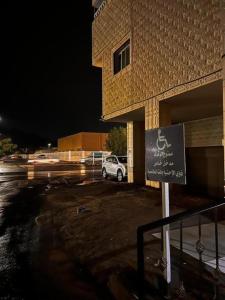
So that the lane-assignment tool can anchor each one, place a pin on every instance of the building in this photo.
(163, 63)
(83, 141)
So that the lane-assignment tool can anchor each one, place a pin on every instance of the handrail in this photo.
(102, 3)
(160, 223)
(178, 217)
(97, 3)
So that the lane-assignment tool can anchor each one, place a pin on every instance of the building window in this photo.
(121, 57)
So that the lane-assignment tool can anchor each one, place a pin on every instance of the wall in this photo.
(130, 152)
(204, 156)
(176, 46)
(74, 156)
(136, 152)
(205, 132)
(72, 142)
(88, 141)
(224, 105)
(173, 43)
(139, 152)
(110, 27)
(94, 141)
(205, 172)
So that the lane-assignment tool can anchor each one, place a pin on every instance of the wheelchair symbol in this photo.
(161, 142)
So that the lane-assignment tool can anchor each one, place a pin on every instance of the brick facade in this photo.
(176, 49)
(175, 46)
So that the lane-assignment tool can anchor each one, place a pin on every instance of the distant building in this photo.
(83, 141)
(163, 63)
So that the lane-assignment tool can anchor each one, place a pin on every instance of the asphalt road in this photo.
(20, 202)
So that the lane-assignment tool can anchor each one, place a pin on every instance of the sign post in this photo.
(166, 231)
(165, 162)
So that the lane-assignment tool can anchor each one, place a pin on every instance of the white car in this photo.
(115, 166)
(93, 158)
(43, 159)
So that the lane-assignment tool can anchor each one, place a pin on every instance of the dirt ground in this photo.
(95, 226)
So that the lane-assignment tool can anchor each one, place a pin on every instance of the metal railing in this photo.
(202, 216)
(97, 3)
(99, 7)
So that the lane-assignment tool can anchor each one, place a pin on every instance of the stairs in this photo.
(123, 286)
(191, 281)
(197, 249)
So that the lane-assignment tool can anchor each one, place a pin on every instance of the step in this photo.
(123, 286)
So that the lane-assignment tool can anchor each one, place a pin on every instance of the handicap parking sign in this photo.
(165, 154)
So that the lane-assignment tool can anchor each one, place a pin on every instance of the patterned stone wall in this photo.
(204, 133)
(130, 152)
(173, 44)
(177, 42)
(151, 114)
(152, 121)
(223, 22)
(110, 27)
(116, 89)
(224, 112)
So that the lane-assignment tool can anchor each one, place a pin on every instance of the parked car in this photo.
(115, 166)
(94, 157)
(42, 158)
(14, 158)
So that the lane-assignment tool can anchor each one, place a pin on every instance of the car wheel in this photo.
(104, 173)
(119, 176)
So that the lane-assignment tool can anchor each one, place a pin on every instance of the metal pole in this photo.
(140, 263)
(216, 295)
(166, 232)
(216, 239)
(200, 237)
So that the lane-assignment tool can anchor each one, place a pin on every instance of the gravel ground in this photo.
(94, 226)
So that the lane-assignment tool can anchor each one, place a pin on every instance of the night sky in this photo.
(48, 85)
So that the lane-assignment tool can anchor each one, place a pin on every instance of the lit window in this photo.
(122, 57)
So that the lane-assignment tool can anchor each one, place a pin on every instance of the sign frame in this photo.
(165, 154)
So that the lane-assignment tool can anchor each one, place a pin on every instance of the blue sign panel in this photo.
(165, 154)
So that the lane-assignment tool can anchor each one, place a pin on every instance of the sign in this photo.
(165, 154)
